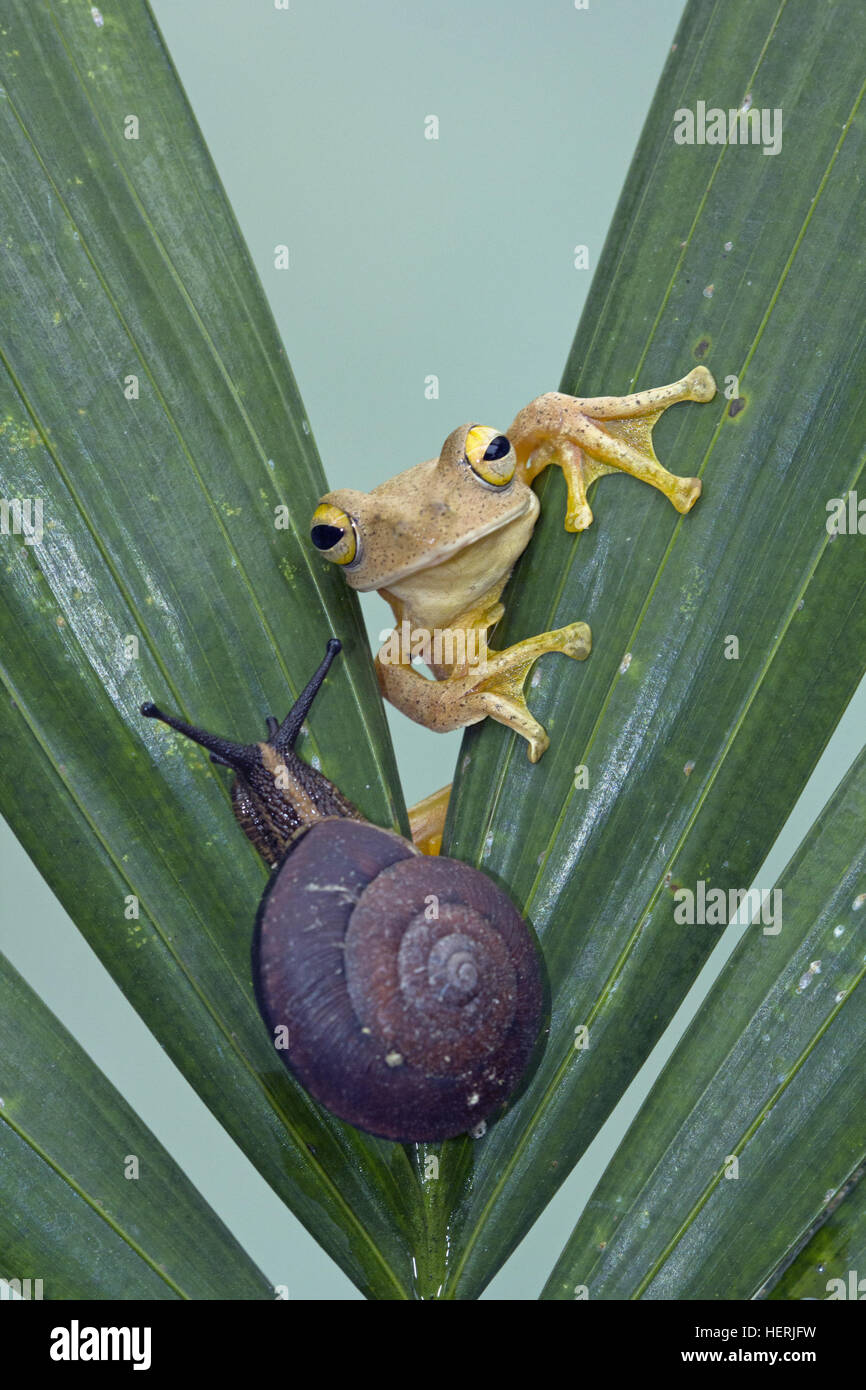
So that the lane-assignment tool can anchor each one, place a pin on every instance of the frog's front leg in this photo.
(500, 693)
(588, 437)
(493, 685)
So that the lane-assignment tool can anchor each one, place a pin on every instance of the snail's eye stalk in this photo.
(239, 756)
(275, 794)
(288, 731)
(282, 737)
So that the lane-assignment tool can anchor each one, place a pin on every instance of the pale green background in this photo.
(409, 257)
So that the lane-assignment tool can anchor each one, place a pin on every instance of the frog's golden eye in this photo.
(333, 533)
(490, 455)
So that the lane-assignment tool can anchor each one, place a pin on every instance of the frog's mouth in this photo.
(446, 553)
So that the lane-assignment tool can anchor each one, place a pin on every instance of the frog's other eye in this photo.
(333, 533)
(490, 455)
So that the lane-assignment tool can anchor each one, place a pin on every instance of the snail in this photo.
(403, 991)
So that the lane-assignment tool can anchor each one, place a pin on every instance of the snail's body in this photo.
(403, 991)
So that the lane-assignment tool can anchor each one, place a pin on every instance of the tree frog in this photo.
(439, 542)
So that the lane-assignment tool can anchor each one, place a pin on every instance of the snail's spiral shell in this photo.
(406, 989)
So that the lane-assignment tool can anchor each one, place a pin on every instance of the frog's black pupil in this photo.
(497, 448)
(326, 537)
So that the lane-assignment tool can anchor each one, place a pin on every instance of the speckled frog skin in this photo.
(440, 540)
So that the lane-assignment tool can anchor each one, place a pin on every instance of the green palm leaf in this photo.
(834, 1251)
(759, 1118)
(94, 1207)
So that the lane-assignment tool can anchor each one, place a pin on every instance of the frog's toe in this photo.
(685, 493)
(577, 641)
(701, 385)
(536, 745)
(579, 517)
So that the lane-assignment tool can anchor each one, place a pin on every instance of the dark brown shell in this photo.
(409, 1025)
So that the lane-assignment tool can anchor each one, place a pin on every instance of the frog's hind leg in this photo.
(427, 820)
(561, 429)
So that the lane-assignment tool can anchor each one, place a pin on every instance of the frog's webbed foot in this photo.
(588, 437)
(493, 686)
